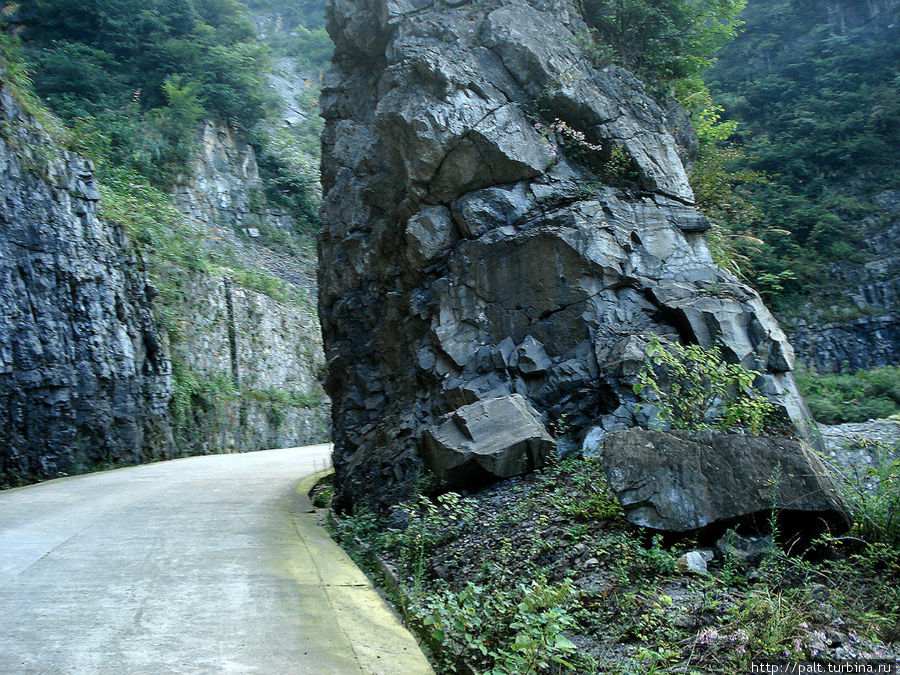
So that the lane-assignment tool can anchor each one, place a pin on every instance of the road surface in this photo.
(200, 565)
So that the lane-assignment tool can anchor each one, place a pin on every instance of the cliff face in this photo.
(267, 352)
(505, 225)
(268, 348)
(84, 375)
(99, 365)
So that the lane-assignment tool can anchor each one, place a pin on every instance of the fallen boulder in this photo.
(685, 480)
(496, 437)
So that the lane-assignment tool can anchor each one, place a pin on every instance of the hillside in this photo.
(814, 85)
(207, 180)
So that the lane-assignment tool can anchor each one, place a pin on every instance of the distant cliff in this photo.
(115, 350)
(814, 84)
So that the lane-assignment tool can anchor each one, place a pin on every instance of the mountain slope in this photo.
(816, 87)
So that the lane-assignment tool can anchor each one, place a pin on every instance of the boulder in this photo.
(693, 562)
(497, 437)
(686, 480)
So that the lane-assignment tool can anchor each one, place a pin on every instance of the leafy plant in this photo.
(428, 524)
(694, 388)
(521, 630)
(872, 494)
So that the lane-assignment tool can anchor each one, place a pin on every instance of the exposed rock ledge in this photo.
(468, 254)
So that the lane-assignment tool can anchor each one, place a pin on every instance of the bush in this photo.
(694, 388)
(872, 494)
(520, 629)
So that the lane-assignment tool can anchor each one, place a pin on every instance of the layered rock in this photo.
(853, 322)
(682, 480)
(503, 218)
(84, 375)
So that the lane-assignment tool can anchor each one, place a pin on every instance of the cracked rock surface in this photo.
(84, 372)
(478, 245)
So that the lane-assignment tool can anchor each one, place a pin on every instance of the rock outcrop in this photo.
(683, 480)
(84, 374)
(503, 218)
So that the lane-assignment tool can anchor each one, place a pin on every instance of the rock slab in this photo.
(500, 437)
(685, 480)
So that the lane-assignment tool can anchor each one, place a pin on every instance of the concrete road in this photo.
(200, 565)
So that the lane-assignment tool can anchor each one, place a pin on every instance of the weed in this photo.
(694, 388)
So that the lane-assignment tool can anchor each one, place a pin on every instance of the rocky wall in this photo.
(265, 351)
(84, 374)
(505, 225)
(854, 322)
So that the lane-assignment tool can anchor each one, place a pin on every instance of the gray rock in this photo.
(693, 562)
(681, 481)
(425, 111)
(860, 344)
(84, 371)
(498, 437)
(429, 234)
(745, 551)
(532, 359)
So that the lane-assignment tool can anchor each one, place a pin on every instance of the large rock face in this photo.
(84, 377)
(476, 246)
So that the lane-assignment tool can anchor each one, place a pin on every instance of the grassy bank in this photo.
(542, 574)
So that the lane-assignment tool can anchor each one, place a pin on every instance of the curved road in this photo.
(200, 565)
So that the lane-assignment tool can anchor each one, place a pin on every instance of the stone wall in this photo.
(84, 374)
(266, 351)
(223, 188)
(88, 375)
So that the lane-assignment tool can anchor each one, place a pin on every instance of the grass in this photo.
(856, 397)
(542, 574)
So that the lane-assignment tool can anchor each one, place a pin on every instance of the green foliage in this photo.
(588, 495)
(521, 629)
(820, 117)
(196, 393)
(667, 43)
(322, 498)
(133, 78)
(313, 48)
(17, 79)
(694, 388)
(309, 13)
(872, 494)
(428, 525)
(857, 397)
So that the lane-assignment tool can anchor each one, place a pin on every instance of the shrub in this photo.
(872, 494)
(520, 629)
(694, 388)
(857, 397)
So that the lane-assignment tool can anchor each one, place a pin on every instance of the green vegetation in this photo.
(872, 494)
(857, 397)
(133, 78)
(819, 112)
(667, 43)
(694, 388)
(542, 574)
